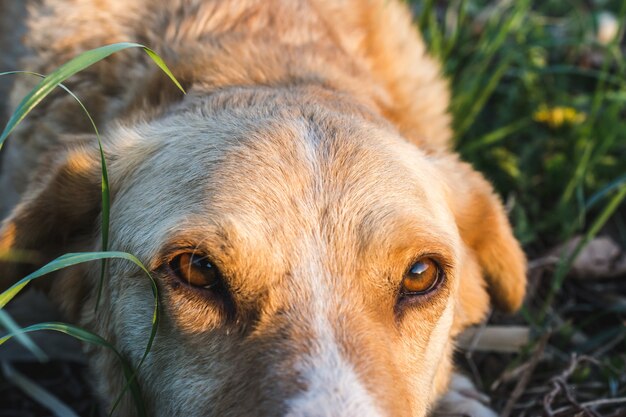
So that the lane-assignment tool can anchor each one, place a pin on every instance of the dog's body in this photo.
(309, 162)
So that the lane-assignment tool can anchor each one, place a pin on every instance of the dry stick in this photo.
(568, 394)
(508, 375)
(525, 378)
(595, 403)
(549, 397)
(559, 383)
(608, 346)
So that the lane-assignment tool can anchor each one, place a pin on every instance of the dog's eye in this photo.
(423, 276)
(196, 270)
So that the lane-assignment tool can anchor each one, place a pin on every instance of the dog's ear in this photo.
(60, 206)
(493, 257)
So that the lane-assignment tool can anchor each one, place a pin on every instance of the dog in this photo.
(316, 243)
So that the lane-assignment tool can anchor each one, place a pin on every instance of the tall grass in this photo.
(515, 67)
(29, 102)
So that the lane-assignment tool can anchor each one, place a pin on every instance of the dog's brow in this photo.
(212, 240)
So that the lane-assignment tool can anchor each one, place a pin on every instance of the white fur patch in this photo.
(333, 386)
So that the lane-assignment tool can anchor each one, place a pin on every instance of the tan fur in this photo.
(310, 160)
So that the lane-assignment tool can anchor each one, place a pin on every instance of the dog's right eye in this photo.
(196, 271)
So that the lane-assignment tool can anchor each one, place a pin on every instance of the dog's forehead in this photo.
(277, 179)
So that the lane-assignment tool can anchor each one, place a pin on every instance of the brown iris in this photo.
(422, 277)
(196, 270)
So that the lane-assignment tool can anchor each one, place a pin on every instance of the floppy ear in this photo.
(493, 257)
(59, 207)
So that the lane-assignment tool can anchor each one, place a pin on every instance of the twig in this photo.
(559, 384)
(508, 375)
(525, 378)
(595, 403)
(608, 346)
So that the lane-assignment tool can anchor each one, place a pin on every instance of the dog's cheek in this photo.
(200, 375)
(131, 303)
(191, 316)
(74, 291)
(427, 351)
(189, 361)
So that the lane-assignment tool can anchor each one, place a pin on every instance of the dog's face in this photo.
(310, 261)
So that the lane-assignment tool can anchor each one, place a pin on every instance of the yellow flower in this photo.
(558, 116)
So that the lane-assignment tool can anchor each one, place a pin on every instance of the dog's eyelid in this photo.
(165, 257)
(169, 251)
(443, 258)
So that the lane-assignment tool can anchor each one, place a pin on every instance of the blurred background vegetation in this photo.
(539, 106)
(509, 60)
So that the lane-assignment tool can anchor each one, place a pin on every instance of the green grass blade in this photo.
(61, 262)
(161, 64)
(12, 327)
(481, 96)
(73, 66)
(37, 393)
(106, 219)
(598, 196)
(567, 260)
(92, 338)
(71, 259)
(426, 11)
(36, 95)
(453, 37)
(106, 194)
(436, 35)
(496, 135)
(579, 175)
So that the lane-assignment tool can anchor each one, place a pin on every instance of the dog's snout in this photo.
(343, 366)
(333, 384)
(334, 392)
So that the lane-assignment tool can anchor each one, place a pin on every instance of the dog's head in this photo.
(310, 261)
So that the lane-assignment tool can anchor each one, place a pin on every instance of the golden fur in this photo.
(310, 160)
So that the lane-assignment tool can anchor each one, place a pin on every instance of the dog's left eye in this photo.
(196, 270)
(422, 277)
